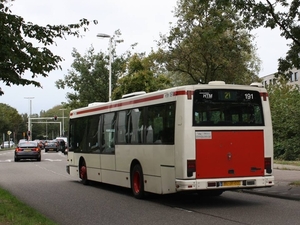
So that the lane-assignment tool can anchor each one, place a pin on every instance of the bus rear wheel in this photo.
(83, 174)
(137, 182)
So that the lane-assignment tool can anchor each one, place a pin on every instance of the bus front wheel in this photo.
(137, 182)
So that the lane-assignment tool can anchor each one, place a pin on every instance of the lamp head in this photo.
(103, 35)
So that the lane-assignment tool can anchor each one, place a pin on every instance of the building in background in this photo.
(271, 79)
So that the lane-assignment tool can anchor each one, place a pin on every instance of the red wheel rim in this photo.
(136, 182)
(83, 172)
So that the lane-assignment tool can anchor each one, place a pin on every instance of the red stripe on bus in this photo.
(176, 93)
(92, 110)
(151, 98)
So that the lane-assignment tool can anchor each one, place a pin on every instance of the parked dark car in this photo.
(27, 150)
(40, 143)
(51, 145)
(8, 144)
(62, 144)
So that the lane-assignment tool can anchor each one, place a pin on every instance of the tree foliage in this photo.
(283, 14)
(285, 108)
(19, 54)
(209, 43)
(140, 76)
(10, 120)
(89, 78)
(160, 67)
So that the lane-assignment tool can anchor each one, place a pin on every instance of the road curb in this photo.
(274, 194)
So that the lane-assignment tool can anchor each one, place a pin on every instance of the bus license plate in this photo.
(231, 183)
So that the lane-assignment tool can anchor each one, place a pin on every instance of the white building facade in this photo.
(271, 79)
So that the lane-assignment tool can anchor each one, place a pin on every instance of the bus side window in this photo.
(94, 135)
(167, 135)
(149, 134)
(121, 127)
(79, 135)
(108, 136)
(167, 132)
(150, 126)
(141, 126)
(72, 140)
(158, 124)
(134, 134)
(128, 126)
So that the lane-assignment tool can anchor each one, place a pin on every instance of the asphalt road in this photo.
(47, 187)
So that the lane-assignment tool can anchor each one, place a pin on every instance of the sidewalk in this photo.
(284, 175)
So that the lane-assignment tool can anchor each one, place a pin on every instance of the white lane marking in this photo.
(52, 160)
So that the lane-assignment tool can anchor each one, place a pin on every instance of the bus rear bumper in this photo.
(224, 183)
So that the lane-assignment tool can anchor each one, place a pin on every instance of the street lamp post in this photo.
(46, 130)
(29, 133)
(110, 58)
(63, 123)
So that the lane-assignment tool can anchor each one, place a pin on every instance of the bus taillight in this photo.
(264, 95)
(191, 167)
(189, 95)
(268, 165)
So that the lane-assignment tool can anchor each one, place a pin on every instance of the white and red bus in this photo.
(206, 138)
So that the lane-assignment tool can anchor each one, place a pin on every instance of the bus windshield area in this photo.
(224, 107)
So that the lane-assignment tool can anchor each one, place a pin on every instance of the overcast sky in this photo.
(139, 22)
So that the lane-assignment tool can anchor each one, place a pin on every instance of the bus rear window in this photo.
(224, 107)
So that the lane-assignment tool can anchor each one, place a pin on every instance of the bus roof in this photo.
(156, 97)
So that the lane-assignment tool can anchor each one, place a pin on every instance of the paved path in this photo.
(284, 176)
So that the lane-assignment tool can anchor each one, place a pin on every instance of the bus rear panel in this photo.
(233, 143)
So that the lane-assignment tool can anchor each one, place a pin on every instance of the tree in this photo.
(285, 108)
(18, 54)
(89, 77)
(159, 67)
(140, 77)
(209, 43)
(283, 14)
(10, 120)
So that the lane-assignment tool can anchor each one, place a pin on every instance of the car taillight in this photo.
(36, 149)
(18, 149)
(191, 167)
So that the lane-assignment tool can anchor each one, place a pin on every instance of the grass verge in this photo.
(14, 212)
(295, 183)
(292, 163)
(283, 162)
